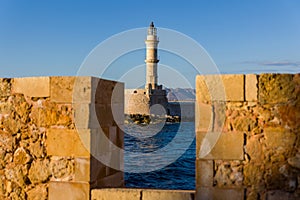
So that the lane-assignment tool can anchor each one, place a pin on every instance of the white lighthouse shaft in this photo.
(151, 58)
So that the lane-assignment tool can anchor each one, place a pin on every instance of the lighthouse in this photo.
(151, 59)
(152, 99)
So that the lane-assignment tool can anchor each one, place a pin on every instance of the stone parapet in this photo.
(52, 134)
(247, 132)
(141, 194)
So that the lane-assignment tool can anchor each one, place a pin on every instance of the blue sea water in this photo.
(151, 162)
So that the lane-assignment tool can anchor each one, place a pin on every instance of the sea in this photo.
(160, 157)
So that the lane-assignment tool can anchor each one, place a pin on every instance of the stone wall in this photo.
(51, 136)
(53, 131)
(248, 136)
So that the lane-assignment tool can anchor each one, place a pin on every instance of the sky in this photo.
(54, 38)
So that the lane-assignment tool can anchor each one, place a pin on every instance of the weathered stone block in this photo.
(228, 174)
(6, 141)
(280, 139)
(219, 109)
(251, 87)
(64, 142)
(61, 88)
(45, 113)
(32, 86)
(276, 88)
(234, 87)
(97, 91)
(212, 193)
(82, 169)
(116, 194)
(253, 174)
(93, 116)
(220, 146)
(16, 174)
(39, 171)
(69, 190)
(117, 96)
(108, 92)
(5, 86)
(21, 156)
(254, 148)
(244, 123)
(166, 195)
(62, 168)
(220, 88)
(280, 195)
(38, 192)
(289, 114)
(83, 90)
(204, 173)
(204, 117)
(85, 116)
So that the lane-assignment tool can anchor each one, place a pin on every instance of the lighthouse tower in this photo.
(151, 59)
(152, 99)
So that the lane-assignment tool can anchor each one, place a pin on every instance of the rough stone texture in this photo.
(38, 193)
(276, 88)
(62, 85)
(32, 87)
(137, 100)
(39, 145)
(228, 146)
(62, 169)
(5, 86)
(268, 119)
(279, 140)
(204, 173)
(39, 171)
(228, 174)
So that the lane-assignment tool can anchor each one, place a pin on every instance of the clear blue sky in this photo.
(54, 37)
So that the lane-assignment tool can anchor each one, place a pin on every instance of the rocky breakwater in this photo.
(147, 119)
